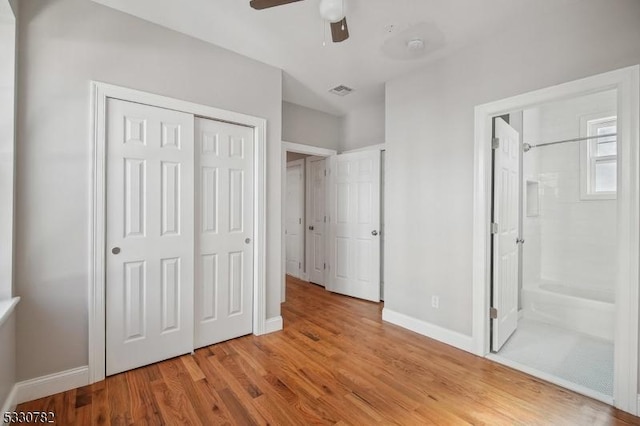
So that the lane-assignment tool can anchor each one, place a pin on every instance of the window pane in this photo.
(606, 146)
(605, 176)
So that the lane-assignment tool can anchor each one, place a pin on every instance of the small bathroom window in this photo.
(599, 162)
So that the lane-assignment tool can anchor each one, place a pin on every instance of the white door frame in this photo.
(626, 82)
(303, 208)
(300, 149)
(97, 250)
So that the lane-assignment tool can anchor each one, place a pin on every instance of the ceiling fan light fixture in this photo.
(332, 10)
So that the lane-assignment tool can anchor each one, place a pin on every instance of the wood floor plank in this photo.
(144, 407)
(336, 362)
(100, 411)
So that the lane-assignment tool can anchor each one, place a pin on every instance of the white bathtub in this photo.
(584, 311)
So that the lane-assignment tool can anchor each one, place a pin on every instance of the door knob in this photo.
(374, 232)
(247, 240)
(115, 250)
(311, 228)
(520, 241)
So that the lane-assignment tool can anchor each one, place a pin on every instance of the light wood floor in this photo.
(335, 362)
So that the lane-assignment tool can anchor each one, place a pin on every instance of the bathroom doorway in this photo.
(564, 208)
(564, 241)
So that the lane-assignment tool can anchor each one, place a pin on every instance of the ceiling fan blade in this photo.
(339, 31)
(265, 4)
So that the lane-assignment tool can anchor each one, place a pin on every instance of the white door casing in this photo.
(505, 240)
(149, 235)
(354, 221)
(224, 231)
(316, 213)
(294, 223)
(101, 93)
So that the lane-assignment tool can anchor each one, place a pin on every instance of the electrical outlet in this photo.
(435, 302)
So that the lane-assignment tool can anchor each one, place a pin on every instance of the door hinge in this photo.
(494, 228)
(300, 220)
(325, 219)
(495, 143)
(493, 313)
(299, 265)
(325, 172)
(324, 266)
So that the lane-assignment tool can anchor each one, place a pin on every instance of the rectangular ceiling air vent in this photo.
(341, 90)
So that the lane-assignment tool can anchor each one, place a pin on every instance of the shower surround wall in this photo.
(572, 242)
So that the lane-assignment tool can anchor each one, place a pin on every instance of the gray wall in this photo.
(430, 143)
(7, 358)
(363, 126)
(310, 127)
(63, 45)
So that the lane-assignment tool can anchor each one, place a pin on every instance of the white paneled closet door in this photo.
(294, 225)
(150, 253)
(224, 231)
(316, 219)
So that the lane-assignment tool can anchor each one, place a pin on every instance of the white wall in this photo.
(578, 244)
(63, 45)
(310, 127)
(430, 143)
(363, 126)
(531, 263)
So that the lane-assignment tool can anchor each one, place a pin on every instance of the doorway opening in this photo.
(304, 211)
(332, 219)
(626, 85)
(562, 243)
(164, 134)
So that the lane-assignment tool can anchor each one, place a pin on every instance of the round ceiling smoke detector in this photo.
(332, 10)
(415, 45)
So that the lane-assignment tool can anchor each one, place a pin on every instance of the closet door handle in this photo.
(311, 228)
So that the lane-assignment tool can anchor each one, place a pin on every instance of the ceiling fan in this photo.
(330, 10)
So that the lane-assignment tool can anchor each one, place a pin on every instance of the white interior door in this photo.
(506, 239)
(316, 218)
(225, 231)
(149, 282)
(354, 218)
(294, 226)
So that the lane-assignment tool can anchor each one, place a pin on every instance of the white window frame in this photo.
(588, 157)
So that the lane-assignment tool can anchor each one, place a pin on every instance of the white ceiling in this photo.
(290, 37)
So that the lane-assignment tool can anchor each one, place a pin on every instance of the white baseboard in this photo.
(11, 402)
(51, 384)
(273, 324)
(443, 335)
